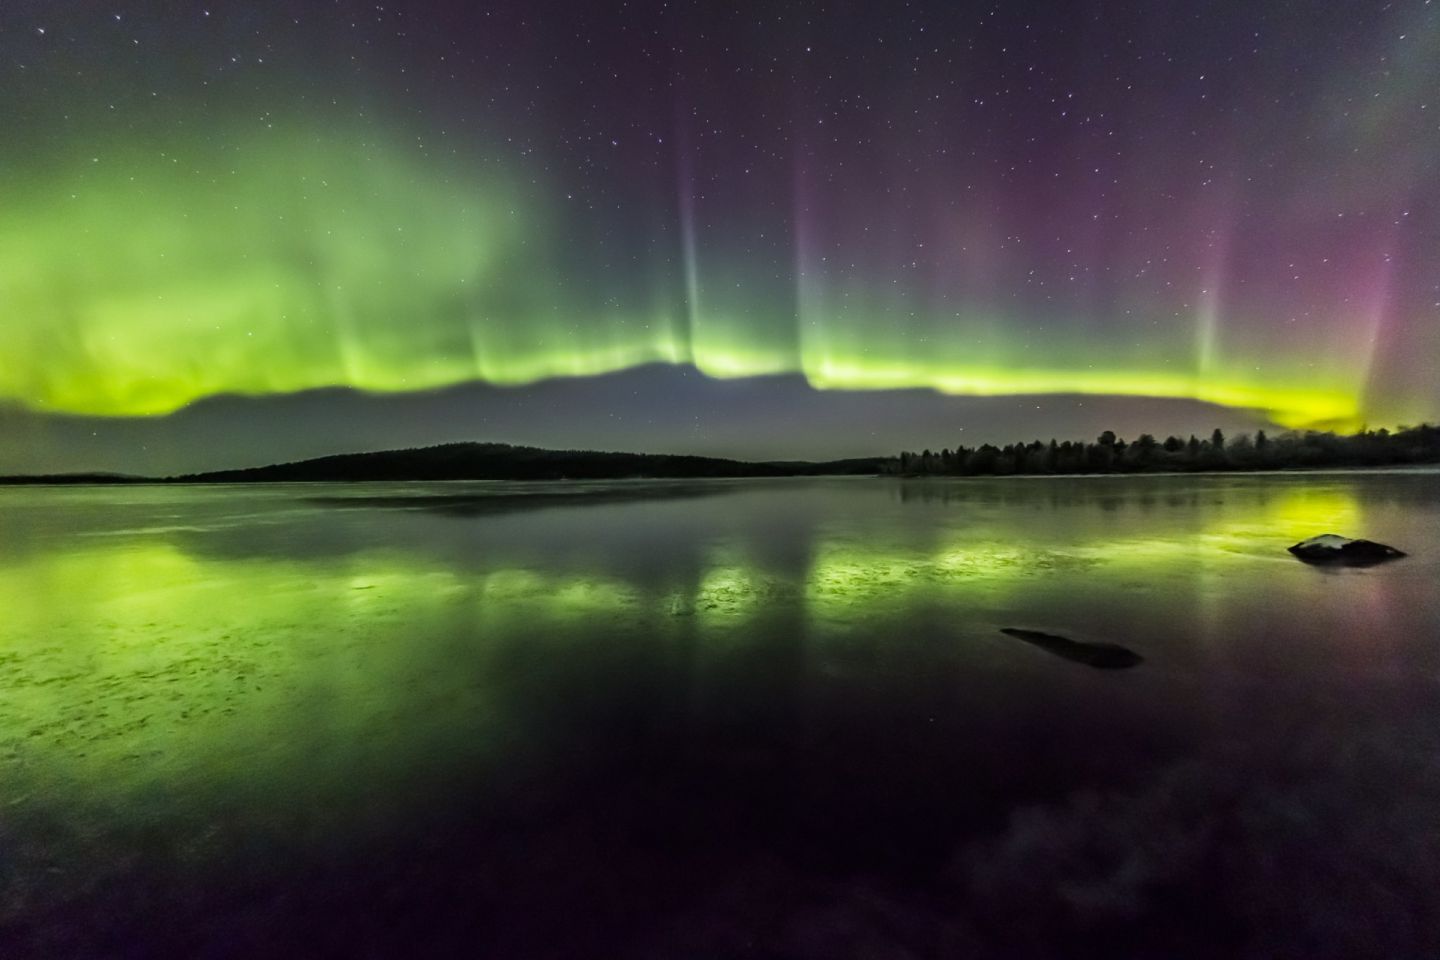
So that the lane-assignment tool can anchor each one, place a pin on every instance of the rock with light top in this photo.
(1331, 548)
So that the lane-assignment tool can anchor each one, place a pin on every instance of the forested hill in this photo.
(1111, 454)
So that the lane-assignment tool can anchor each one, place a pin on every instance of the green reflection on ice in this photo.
(133, 663)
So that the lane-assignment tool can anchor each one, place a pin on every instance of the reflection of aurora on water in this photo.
(321, 693)
(228, 654)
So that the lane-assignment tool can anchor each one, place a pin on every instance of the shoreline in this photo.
(67, 480)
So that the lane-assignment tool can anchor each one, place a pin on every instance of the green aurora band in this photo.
(132, 288)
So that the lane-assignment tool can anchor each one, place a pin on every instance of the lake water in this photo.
(713, 719)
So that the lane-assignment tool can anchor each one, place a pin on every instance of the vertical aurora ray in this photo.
(690, 256)
(736, 265)
(1214, 276)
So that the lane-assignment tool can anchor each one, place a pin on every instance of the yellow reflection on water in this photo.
(877, 576)
(134, 664)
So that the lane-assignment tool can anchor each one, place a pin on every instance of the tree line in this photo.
(1112, 454)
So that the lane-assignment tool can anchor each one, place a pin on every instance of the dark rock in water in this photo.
(1330, 548)
(1103, 656)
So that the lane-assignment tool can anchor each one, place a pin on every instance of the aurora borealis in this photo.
(1232, 203)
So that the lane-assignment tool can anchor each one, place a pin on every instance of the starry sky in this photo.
(813, 228)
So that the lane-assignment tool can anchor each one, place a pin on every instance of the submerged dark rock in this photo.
(1102, 656)
(1331, 548)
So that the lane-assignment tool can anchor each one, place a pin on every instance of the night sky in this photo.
(235, 232)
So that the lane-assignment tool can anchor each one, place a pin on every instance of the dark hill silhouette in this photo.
(500, 461)
(73, 479)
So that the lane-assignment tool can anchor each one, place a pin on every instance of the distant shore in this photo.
(85, 480)
(1109, 455)
(483, 461)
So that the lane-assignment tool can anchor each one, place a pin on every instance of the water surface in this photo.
(719, 718)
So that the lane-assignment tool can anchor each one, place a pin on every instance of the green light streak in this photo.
(1292, 407)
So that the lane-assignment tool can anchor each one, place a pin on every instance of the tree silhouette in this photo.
(1111, 454)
